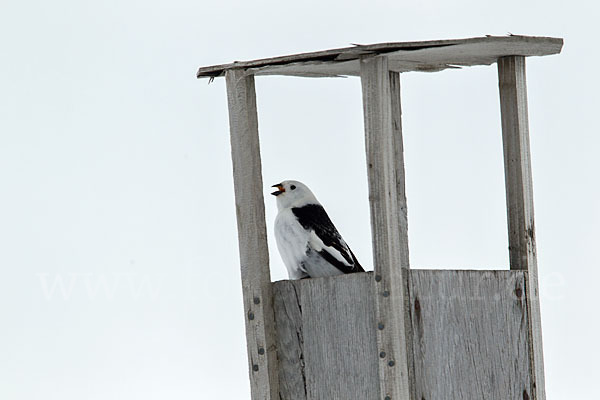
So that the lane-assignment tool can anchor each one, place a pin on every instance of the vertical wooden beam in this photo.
(402, 214)
(381, 106)
(519, 200)
(252, 235)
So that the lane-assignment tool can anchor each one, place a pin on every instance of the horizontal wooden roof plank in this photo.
(433, 55)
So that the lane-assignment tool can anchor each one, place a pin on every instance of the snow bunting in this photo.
(308, 242)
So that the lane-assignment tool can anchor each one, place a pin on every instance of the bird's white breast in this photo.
(292, 240)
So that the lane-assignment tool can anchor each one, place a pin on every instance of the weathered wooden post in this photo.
(394, 333)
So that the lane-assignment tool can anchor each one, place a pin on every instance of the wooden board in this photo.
(433, 55)
(252, 236)
(326, 338)
(385, 171)
(470, 336)
(519, 200)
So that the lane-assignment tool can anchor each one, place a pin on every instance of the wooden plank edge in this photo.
(358, 51)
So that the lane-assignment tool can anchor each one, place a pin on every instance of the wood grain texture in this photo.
(389, 235)
(287, 306)
(470, 335)
(398, 161)
(252, 235)
(326, 338)
(519, 199)
(432, 55)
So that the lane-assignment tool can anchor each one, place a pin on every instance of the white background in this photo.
(118, 245)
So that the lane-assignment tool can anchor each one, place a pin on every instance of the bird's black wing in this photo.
(313, 217)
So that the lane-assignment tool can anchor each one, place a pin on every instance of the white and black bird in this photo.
(308, 242)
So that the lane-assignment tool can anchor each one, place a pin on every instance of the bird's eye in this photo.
(292, 187)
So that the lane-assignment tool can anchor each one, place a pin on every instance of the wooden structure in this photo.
(394, 333)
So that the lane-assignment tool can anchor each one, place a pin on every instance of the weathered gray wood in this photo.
(287, 307)
(402, 209)
(390, 241)
(402, 215)
(470, 335)
(326, 338)
(517, 163)
(433, 55)
(252, 235)
(519, 200)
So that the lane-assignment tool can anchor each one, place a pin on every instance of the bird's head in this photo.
(293, 194)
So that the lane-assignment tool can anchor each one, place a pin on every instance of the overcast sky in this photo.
(118, 245)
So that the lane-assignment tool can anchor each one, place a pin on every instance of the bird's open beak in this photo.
(280, 189)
